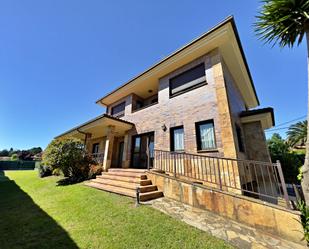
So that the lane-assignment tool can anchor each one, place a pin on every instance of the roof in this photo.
(104, 116)
(228, 20)
(266, 115)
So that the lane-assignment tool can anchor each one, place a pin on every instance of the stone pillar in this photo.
(108, 151)
(126, 153)
(225, 121)
(87, 142)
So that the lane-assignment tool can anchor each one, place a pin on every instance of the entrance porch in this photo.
(106, 139)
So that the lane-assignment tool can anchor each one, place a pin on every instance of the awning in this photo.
(98, 127)
(265, 116)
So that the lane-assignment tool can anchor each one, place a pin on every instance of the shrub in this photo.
(94, 171)
(44, 170)
(14, 157)
(56, 172)
(304, 210)
(69, 155)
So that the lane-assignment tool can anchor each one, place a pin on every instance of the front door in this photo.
(140, 144)
(120, 154)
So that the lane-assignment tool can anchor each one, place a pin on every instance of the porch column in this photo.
(87, 142)
(126, 155)
(108, 151)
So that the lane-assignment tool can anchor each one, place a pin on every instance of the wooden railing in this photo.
(262, 180)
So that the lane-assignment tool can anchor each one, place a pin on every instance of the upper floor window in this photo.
(205, 135)
(177, 139)
(118, 110)
(187, 80)
(241, 146)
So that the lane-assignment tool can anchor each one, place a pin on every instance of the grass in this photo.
(35, 213)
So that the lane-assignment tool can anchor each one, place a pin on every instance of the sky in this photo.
(58, 57)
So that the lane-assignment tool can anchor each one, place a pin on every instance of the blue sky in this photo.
(58, 57)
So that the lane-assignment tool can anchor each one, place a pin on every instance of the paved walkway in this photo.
(237, 234)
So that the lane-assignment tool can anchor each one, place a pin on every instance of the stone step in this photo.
(150, 195)
(125, 179)
(127, 185)
(113, 189)
(126, 173)
(127, 170)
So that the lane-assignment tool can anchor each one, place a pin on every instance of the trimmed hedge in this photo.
(18, 165)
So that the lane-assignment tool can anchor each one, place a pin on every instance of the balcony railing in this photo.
(98, 157)
(262, 180)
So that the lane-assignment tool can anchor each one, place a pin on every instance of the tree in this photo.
(287, 22)
(290, 161)
(297, 133)
(69, 155)
(4, 152)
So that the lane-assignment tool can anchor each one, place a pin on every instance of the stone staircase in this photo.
(125, 182)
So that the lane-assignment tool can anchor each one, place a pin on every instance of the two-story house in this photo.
(198, 101)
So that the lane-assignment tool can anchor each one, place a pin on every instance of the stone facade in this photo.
(218, 100)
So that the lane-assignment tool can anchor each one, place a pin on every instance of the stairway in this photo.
(125, 182)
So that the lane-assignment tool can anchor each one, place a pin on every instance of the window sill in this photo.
(208, 151)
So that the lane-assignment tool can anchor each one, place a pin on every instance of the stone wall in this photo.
(256, 142)
(267, 217)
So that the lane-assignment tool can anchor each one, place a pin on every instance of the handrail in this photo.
(263, 180)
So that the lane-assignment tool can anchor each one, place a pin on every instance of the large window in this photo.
(187, 80)
(205, 135)
(177, 139)
(118, 110)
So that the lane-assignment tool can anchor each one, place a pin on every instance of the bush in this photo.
(56, 172)
(94, 171)
(14, 157)
(44, 170)
(304, 210)
(69, 155)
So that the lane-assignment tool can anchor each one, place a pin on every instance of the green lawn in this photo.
(35, 213)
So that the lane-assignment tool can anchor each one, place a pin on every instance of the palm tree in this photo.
(297, 133)
(286, 22)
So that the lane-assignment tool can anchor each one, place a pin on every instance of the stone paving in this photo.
(237, 234)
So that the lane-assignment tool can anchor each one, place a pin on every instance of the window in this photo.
(118, 110)
(95, 148)
(187, 80)
(177, 139)
(205, 135)
(241, 147)
(137, 144)
(139, 104)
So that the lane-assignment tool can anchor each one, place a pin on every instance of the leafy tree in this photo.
(297, 133)
(290, 161)
(286, 22)
(4, 152)
(69, 155)
(35, 150)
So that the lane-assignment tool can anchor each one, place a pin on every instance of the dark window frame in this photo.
(172, 138)
(240, 140)
(118, 113)
(200, 81)
(198, 135)
(94, 145)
